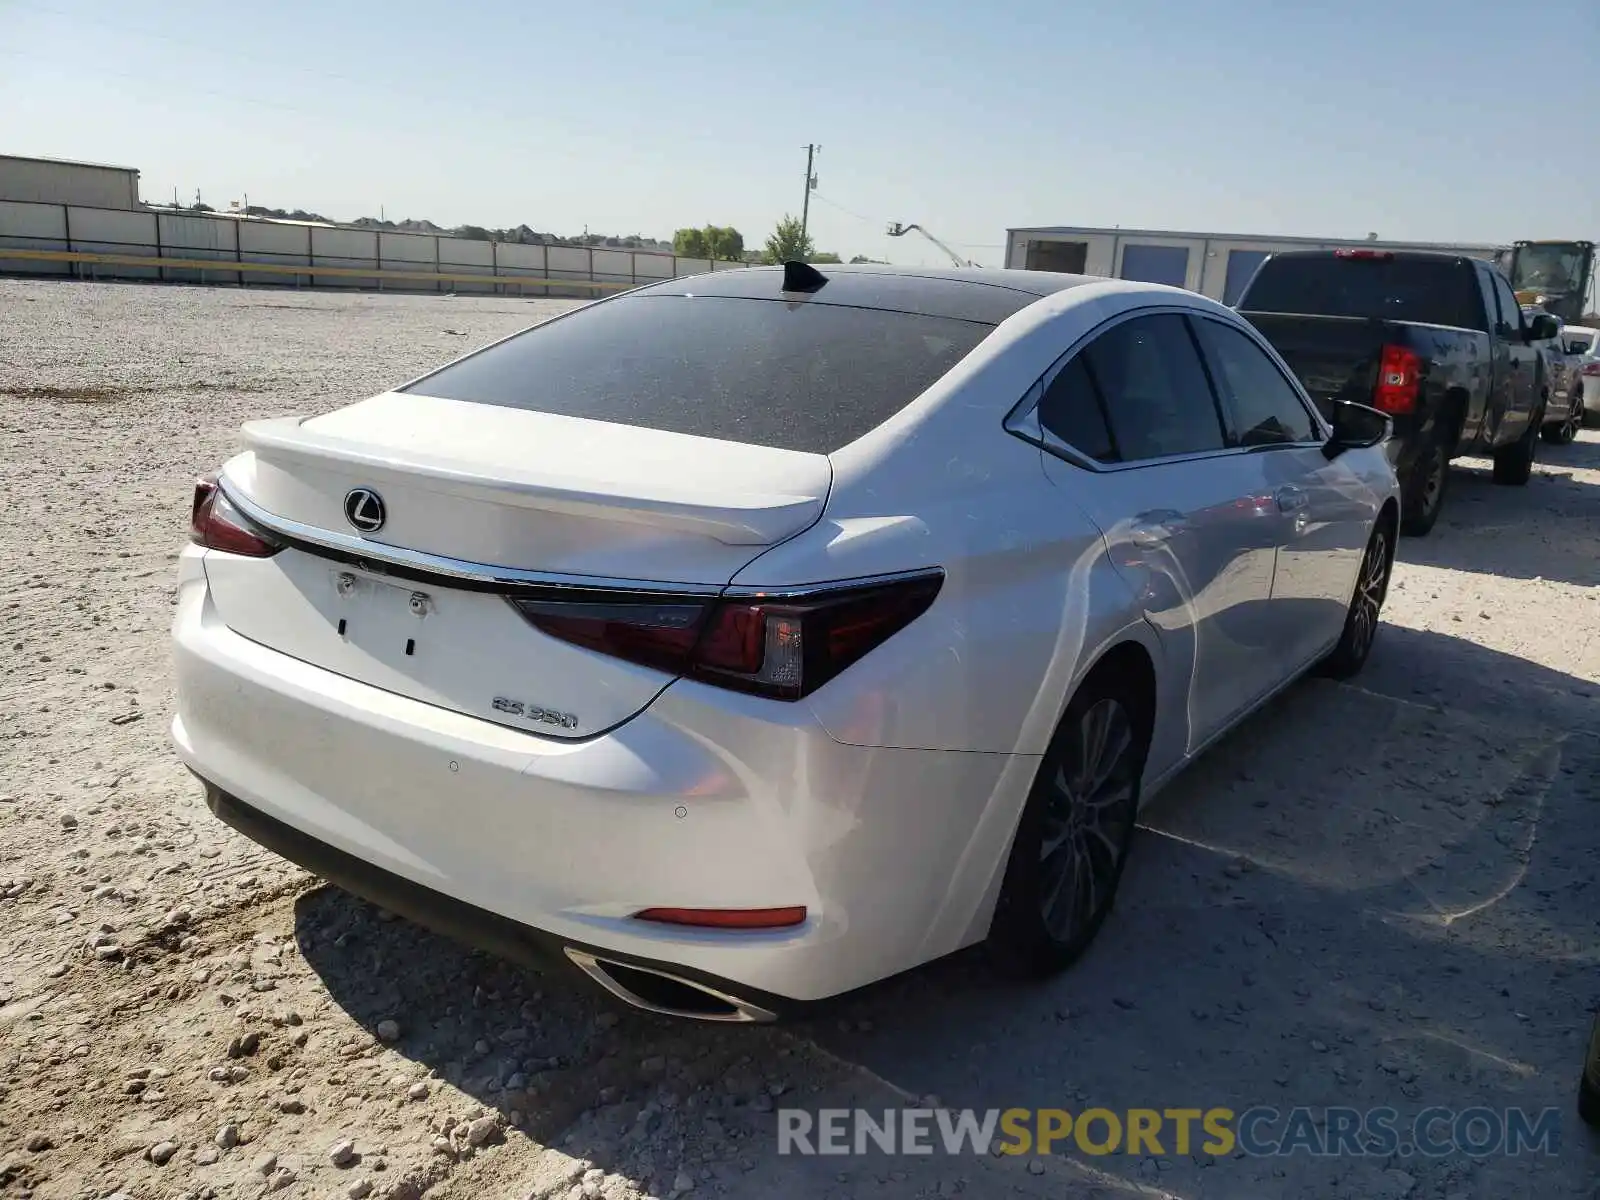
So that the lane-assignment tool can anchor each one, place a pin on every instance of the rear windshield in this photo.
(1443, 292)
(796, 376)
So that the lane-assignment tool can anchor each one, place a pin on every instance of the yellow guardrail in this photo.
(235, 266)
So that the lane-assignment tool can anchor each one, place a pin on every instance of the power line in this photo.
(848, 212)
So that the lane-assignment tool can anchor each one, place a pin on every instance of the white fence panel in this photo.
(653, 266)
(319, 249)
(411, 248)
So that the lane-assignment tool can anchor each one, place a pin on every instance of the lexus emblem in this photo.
(363, 508)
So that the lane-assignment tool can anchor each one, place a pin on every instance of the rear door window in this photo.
(1266, 408)
(796, 376)
(1155, 389)
(1510, 311)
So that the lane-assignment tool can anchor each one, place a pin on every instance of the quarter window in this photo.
(1071, 410)
(1266, 410)
(1155, 390)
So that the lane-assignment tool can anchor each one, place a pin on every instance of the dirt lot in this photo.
(1379, 894)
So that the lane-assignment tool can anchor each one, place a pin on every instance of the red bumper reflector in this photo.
(726, 918)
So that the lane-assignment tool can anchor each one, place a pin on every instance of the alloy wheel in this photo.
(1087, 819)
(1370, 589)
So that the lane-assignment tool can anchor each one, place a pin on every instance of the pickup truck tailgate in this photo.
(1336, 358)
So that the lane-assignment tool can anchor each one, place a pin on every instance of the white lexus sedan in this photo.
(751, 637)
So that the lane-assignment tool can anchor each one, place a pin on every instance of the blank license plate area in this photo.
(388, 620)
(467, 651)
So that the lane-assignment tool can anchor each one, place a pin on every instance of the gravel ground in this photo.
(1372, 894)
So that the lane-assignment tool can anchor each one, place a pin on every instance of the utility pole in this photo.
(811, 182)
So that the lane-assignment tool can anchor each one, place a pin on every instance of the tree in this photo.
(825, 257)
(788, 244)
(714, 241)
(725, 242)
(691, 243)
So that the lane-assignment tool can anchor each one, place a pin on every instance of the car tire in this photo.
(1513, 465)
(1590, 419)
(1562, 433)
(1076, 830)
(1366, 606)
(1423, 496)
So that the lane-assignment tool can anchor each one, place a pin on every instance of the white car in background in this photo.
(751, 637)
(1583, 345)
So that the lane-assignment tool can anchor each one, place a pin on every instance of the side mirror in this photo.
(1356, 427)
(1543, 326)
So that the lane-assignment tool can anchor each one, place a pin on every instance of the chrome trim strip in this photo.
(595, 968)
(488, 575)
(802, 591)
(482, 574)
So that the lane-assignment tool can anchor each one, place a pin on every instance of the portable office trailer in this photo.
(61, 181)
(1218, 265)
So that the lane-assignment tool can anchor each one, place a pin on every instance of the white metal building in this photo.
(60, 181)
(1218, 265)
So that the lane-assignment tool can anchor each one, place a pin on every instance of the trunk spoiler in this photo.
(733, 516)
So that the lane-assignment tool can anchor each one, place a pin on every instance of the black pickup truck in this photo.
(1437, 341)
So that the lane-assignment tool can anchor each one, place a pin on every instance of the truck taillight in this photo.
(781, 646)
(217, 525)
(1399, 377)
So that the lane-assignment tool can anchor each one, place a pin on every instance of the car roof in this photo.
(984, 294)
(1345, 252)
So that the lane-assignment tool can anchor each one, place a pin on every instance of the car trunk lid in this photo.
(478, 502)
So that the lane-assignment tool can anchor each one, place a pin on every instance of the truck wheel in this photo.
(1423, 493)
(1514, 464)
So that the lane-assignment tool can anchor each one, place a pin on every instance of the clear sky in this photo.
(1441, 120)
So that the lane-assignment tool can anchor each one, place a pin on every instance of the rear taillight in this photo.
(1399, 377)
(782, 646)
(217, 525)
(1592, 368)
(1368, 255)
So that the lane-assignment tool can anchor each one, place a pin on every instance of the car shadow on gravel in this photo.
(542, 1050)
(1378, 893)
(1370, 894)
(1548, 530)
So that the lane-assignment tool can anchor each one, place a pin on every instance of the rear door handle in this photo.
(1291, 499)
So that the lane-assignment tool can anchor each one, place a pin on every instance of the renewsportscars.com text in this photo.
(1257, 1132)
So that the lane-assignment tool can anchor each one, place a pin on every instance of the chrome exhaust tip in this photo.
(658, 991)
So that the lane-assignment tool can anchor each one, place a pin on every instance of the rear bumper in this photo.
(465, 923)
(705, 800)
